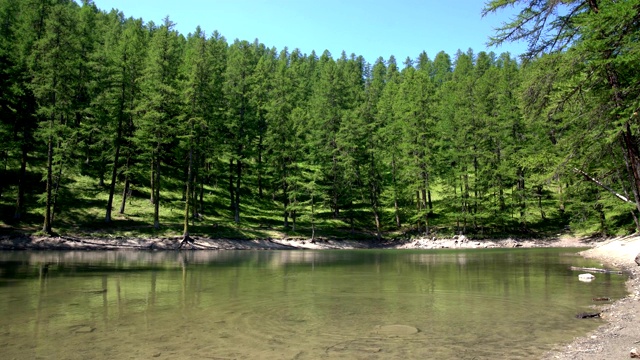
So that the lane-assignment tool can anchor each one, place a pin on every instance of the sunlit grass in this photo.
(81, 208)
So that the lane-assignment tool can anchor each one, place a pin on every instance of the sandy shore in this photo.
(27, 242)
(621, 333)
(615, 339)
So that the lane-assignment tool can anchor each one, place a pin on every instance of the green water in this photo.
(373, 304)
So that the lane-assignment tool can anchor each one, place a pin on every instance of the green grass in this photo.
(81, 206)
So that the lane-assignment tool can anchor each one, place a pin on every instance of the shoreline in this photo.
(30, 242)
(620, 334)
(614, 339)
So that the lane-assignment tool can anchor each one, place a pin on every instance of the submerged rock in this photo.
(585, 315)
(586, 277)
(395, 330)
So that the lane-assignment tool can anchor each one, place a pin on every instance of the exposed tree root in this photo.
(186, 240)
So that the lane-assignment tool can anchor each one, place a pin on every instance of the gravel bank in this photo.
(621, 332)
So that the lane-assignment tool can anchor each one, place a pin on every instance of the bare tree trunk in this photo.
(156, 207)
(376, 216)
(127, 185)
(237, 191)
(293, 220)
(125, 194)
(231, 195)
(153, 180)
(632, 160)
(426, 212)
(260, 146)
(112, 186)
(395, 193)
(46, 227)
(187, 203)
(313, 221)
(419, 224)
(21, 182)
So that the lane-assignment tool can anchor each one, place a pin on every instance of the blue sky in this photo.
(371, 28)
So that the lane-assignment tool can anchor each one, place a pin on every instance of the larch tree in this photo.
(55, 58)
(389, 131)
(280, 131)
(24, 26)
(595, 85)
(240, 123)
(121, 58)
(375, 167)
(159, 107)
(196, 93)
(326, 115)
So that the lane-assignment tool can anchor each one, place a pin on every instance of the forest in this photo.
(113, 125)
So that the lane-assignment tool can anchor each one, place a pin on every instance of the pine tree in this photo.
(197, 74)
(23, 26)
(160, 104)
(375, 167)
(593, 67)
(55, 58)
(240, 123)
(119, 61)
(389, 131)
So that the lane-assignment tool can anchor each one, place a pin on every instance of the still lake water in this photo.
(345, 304)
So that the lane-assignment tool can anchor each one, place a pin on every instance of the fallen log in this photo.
(585, 315)
(597, 270)
(601, 299)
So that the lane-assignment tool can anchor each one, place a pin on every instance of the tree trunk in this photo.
(521, 194)
(21, 181)
(201, 201)
(187, 203)
(46, 227)
(153, 180)
(125, 194)
(156, 204)
(313, 222)
(232, 197)
(260, 191)
(395, 193)
(56, 189)
(236, 217)
(126, 190)
(376, 217)
(426, 212)
(112, 186)
(285, 204)
(632, 160)
(418, 203)
(293, 221)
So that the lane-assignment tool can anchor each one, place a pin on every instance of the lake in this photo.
(328, 304)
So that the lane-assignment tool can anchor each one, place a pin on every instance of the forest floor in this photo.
(615, 339)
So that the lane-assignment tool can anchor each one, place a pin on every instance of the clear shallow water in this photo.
(373, 304)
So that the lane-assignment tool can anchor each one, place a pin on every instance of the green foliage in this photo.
(262, 142)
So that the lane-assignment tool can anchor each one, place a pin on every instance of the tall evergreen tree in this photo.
(594, 87)
(55, 59)
(197, 74)
(390, 131)
(160, 104)
(240, 123)
(120, 64)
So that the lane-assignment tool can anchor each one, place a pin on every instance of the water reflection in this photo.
(293, 304)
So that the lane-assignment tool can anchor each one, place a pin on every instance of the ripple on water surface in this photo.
(346, 305)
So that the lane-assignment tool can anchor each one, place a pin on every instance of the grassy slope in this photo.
(82, 203)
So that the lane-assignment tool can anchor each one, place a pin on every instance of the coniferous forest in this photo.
(112, 124)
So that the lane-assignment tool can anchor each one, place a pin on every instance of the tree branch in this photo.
(599, 183)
